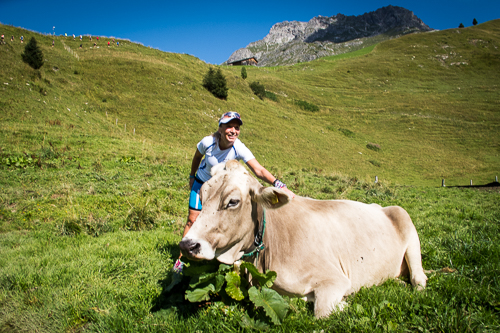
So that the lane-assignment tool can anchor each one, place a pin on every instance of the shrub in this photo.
(306, 106)
(258, 89)
(373, 146)
(272, 96)
(347, 132)
(243, 73)
(375, 163)
(33, 55)
(216, 83)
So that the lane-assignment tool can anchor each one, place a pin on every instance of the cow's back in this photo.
(357, 239)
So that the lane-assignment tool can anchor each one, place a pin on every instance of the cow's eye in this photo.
(233, 203)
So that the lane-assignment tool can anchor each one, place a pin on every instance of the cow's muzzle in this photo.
(190, 248)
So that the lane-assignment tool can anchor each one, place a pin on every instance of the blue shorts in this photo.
(194, 196)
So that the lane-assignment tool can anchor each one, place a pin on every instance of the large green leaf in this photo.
(273, 304)
(264, 280)
(200, 294)
(219, 282)
(197, 280)
(233, 286)
(194, 269)
(225, 268)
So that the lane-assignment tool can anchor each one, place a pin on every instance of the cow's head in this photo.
(226, 226)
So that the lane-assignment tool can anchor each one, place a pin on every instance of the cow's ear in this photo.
(272, 197)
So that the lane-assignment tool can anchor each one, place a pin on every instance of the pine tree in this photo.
(461, 25)
(474, 21)
(33, 55)
(243, 73)
(215, 82)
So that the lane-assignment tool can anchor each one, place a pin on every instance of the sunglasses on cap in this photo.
(228, 116)
(231, 114)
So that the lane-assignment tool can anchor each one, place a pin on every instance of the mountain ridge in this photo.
(296, 41)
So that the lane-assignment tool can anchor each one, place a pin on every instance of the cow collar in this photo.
(259, 239)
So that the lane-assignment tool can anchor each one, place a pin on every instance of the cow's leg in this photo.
(328, 295)
(413, 259)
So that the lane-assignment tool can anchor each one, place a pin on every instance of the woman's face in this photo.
(229, 132)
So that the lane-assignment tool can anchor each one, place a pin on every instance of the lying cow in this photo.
(320, 249)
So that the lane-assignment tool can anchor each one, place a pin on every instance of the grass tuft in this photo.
(373, 146)
(306, 106)
(346, 132)
(141, 217)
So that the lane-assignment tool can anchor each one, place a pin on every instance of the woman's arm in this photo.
(260, 171)
(194, 166)
(263, 174)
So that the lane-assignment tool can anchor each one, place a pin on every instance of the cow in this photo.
(322, 250)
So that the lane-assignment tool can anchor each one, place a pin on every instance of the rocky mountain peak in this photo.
(294, 41)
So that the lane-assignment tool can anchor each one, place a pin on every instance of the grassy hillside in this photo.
(432, 117)
(91, 212)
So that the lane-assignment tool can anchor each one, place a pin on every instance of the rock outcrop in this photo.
(292, 42)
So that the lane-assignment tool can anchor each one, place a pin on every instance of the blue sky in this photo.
(212, 30)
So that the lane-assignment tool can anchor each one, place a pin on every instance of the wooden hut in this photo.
(244, 62)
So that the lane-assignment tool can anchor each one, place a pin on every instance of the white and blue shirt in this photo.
(214, 155)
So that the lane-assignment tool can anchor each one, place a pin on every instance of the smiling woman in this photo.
(221, 147)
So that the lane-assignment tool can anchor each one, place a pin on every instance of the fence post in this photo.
(442, 183)
(134, 131)
(496, 179)
(471, 182)
(116, 121)
(376, 179)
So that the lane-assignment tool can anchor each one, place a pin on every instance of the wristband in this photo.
(278, 184)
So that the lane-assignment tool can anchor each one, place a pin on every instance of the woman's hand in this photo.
(289, 192)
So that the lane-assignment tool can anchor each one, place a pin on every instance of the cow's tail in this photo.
(414, 261)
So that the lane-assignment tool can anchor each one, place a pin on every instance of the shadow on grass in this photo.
(173, 300)
(492, 186)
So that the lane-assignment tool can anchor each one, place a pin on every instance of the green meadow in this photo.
(96, 147)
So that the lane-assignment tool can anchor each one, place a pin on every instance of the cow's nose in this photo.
(189, 248)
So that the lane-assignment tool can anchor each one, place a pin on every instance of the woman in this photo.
(220, 147)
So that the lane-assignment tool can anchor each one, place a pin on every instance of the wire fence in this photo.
(492, 184)
(73, 53)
